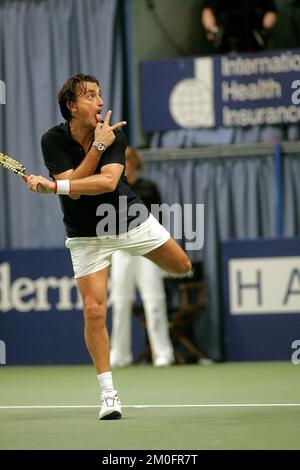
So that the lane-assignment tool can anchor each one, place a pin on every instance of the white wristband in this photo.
(62, 186)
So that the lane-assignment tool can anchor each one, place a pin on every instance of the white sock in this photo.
(105, 382)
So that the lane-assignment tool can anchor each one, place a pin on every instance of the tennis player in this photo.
(85, 157)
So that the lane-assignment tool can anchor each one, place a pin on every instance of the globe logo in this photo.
(190, 104)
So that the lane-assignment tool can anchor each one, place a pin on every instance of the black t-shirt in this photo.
(242, 15)
(242, 23)
(219, 6)
(62, 153)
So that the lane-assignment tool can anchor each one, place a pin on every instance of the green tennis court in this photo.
(221, 406)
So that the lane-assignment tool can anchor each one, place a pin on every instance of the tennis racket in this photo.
(12, 165)
(16, 167)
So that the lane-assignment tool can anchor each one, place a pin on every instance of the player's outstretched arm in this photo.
(104, 182)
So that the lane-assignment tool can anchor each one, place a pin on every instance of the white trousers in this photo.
(128, 273)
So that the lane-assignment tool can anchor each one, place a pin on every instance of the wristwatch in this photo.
(99, 145)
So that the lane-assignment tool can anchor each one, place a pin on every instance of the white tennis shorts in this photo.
(91, 254)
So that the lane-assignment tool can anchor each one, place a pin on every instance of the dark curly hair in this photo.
(67, 94)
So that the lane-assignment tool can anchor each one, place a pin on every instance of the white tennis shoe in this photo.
(163, 361)
(111, 406)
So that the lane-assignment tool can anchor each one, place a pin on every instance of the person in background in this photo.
(242, 26)
(295, 22)
(129, 273)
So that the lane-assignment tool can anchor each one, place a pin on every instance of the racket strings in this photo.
(11, 164)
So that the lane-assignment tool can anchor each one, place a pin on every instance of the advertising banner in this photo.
(221, 91)
(41, 317)
(261, 286)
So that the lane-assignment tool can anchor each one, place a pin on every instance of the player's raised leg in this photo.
(170, 257)
(93, 288)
